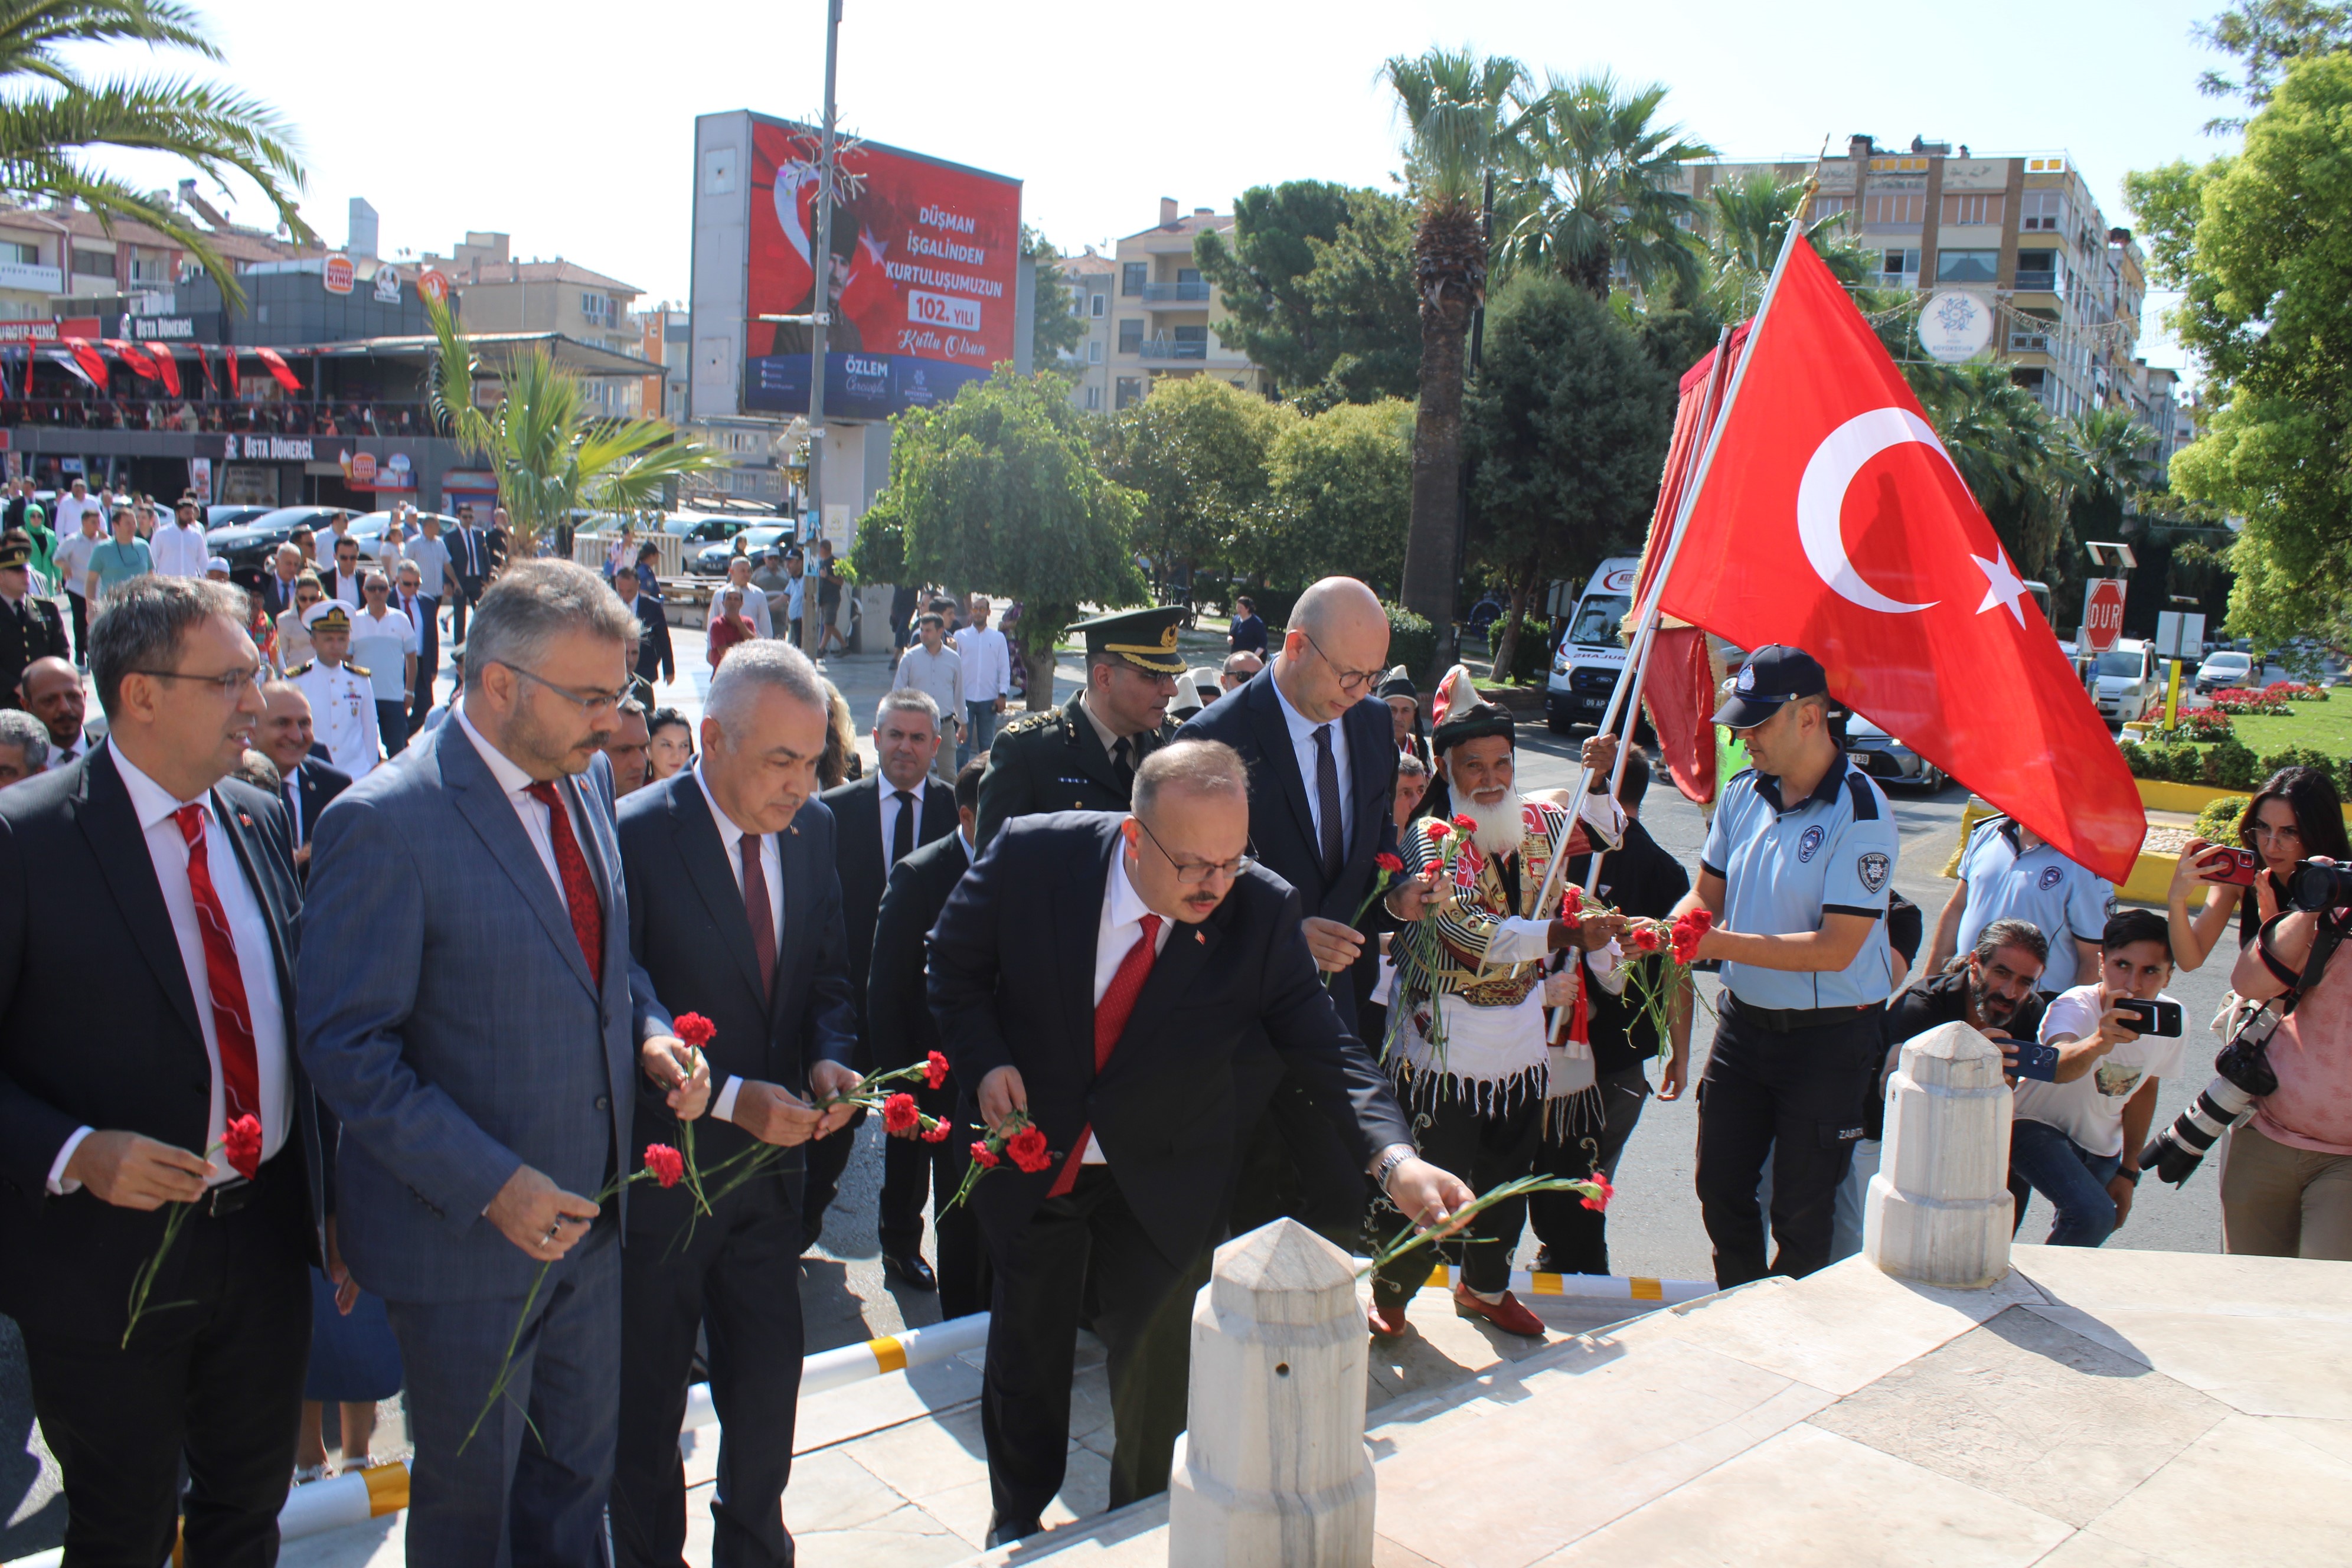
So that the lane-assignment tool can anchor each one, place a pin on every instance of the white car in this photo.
(2225, 669)
(2129, 683)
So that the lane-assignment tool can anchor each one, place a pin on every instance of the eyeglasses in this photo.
(1351, 682)
(591, 703)
(230, 684)
(2264, 830)
(1193, 873)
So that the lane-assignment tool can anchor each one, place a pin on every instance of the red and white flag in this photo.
(1832, 518)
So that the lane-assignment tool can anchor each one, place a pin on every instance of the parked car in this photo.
(711, 561)
(2222, 669)
(250, 546)
(2129, 682)
(1888, 760)
(231, 516)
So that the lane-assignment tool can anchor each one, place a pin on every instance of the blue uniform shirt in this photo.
(1785, 866)
(2064, 900)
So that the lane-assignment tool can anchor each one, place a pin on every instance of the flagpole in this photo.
(1682, 511)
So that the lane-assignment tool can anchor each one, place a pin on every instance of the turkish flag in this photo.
(234, 391)
(278, 367)
(167, 368)
(1832, 520)
(134, 356)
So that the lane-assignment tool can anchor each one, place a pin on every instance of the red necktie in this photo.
(232, 1020)
(756, 911)
(579, 890)
(1110, 1021)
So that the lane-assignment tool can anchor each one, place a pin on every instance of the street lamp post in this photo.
(811, 633)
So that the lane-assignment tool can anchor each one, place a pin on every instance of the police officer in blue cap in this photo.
(1796, 873)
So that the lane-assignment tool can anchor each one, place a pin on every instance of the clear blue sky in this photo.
(570, 128)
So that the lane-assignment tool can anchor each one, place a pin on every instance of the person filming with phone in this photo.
(2086, 1097)
(2295, 815)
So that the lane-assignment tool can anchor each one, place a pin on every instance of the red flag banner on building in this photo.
(92, 363)
(131, 354)
(229, 354)
(278, 367)
(1832, 518)
(167, 368)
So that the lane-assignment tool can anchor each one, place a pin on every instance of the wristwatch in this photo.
(1392, 1157)
(2132, 1174)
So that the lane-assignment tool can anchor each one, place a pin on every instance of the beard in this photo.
(1498, 827)
(1991, 1006)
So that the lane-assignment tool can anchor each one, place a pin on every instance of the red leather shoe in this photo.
(1386, 1322)
(1505, 1314)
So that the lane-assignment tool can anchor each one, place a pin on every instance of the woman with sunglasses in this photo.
(2296, 815)
(293, 643)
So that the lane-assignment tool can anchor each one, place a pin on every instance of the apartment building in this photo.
(502, 294)
(1092, 279)
(51, 256)
(665, 338)
(1162, 313)
(2023, 230)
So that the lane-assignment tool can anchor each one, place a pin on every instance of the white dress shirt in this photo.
(179, 551)
(535, 817)
(1122, 928)
(167, 848)
(771, 871)
(1302, 743)
(322, 546)
(889, 814)
(347, 589)
(987, 664)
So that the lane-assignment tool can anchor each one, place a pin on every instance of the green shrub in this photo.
(2301, 757)
(2184, 764)
(1274, 607)
(2230, 762)
(2136, 759)
(1412, 641)
(1531, 660)
(2218, 823)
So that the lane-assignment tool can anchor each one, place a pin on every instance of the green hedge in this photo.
(2218, 823)
(1531, 660)
(1412, 642)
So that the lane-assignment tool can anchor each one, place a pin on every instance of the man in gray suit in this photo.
(464, 1007)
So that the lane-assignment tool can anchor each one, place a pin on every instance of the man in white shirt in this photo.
(338, 529)
(755, 602)
(342, 695)
(179, 544)
(931, 666)
(987, 679)
(431, 554)
(182, 1030)
(384, 643)
(74, 547)
(75, 505)
(343, 582)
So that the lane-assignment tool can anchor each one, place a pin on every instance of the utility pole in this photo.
(821, 312)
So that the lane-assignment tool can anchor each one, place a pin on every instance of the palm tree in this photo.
(1745, 224)
(553, 454)
(1461, 123)
(1601, 186)
(55, 115)
(2020, 467)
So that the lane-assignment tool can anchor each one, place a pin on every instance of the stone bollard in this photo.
(1273, 1471)
(1939, 1211)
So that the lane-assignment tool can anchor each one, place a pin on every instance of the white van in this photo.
(2130, 681)
(1591, 653)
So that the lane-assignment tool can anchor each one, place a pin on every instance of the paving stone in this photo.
(2248, 1491)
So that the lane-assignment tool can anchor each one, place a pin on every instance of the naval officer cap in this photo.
(1774, 675)
(1144, 638)
(327, 616)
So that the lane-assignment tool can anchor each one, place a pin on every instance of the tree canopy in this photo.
(1341, 497)
(1194, 451)
(1055, 328)
(2265, 37)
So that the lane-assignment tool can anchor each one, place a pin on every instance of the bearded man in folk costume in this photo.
(1467, 1047)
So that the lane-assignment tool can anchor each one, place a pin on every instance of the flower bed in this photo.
(2270, 699)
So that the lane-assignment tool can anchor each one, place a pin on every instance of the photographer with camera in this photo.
(2083, 1112)
(2295, 814)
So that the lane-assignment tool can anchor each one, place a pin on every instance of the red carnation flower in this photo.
(1701, 920)
(1571, 902)
(1601, 1200)
(666, 1164)
(899, 1113)
(982, 1155)
(1027, 1150)
(1464, 824)
(935, 1070)
(1388, 863)
(694, 1029)
(1435, 829)
(241, 1142)
(1646, 938)
(937, 1130)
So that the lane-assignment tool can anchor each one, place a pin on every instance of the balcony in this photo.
(2028, 343)
(2044, 282)
(1895, 280)
(36, 280)
(1196, 291)
(1173, 348)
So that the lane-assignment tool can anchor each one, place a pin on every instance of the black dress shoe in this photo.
(911, 1270)
(1004, 1533)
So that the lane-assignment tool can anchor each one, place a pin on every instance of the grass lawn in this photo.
(2323, 726)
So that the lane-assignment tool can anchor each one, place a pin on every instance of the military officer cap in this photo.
(15, 549)
(327, 615)
(1144, 638)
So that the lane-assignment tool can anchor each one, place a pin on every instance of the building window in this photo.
(1096, 310)
(2038, 269)
(21, 254)
(597, 308)
(1094, 399)
(149, 266)
(1188, 274)
(2042, 212)
(1131, 391)
(1966, 266)
(1826, 207)
(1131, 277)
(93, 264)
(1131, 336)
(1975, 208)
(1895, 210)
(1899, 268)
(1094, 352)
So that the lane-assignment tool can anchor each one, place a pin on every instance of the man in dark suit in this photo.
(285, 739)
(467, 1010)
(1082, 757)
(655, 659)
(471, 563)
(883, 817)
(1322, 758)
(734, 913)
(286, 564)
(423, 613)
(1098, 973)
(905, 1033)
(150, 1007)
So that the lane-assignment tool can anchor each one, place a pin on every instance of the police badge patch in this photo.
(1873, 867)
(2050, 875)
(1807, 845)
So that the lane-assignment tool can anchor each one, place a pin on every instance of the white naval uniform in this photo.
(342, 714)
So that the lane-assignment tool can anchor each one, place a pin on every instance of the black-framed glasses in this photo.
(1351, 682)
(591, 703)
(229, 683)
(1193, 873)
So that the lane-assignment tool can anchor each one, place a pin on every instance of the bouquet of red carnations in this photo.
(1660, 954)
(1016, 1138)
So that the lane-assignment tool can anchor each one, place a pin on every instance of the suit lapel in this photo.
(120, 848)
(1077, 908)
(238, 829)
(484, 806)
(1173, 974)
(939, 813)
(1374, 802)
(793, 864)
(1274, 741)
(704, 854)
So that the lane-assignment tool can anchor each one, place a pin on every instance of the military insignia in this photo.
(1873, 867)
(2050, 875)
(1810, 844)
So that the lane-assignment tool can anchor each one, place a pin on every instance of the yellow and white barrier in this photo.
(1593, 1287)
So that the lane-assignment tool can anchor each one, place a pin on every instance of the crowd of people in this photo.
(1273, 939)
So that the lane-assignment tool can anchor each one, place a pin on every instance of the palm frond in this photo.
(32, 30)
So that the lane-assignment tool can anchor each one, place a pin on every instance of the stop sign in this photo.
(2102, 615)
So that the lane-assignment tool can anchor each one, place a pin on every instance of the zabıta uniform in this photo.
(1793, 1061)
(343, 699)
(2009, 880)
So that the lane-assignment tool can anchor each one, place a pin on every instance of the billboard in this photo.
(925, 262)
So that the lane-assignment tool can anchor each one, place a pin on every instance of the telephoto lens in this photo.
(2315, 885)
(2175, 1153)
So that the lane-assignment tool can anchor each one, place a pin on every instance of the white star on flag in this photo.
(2001, 585)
